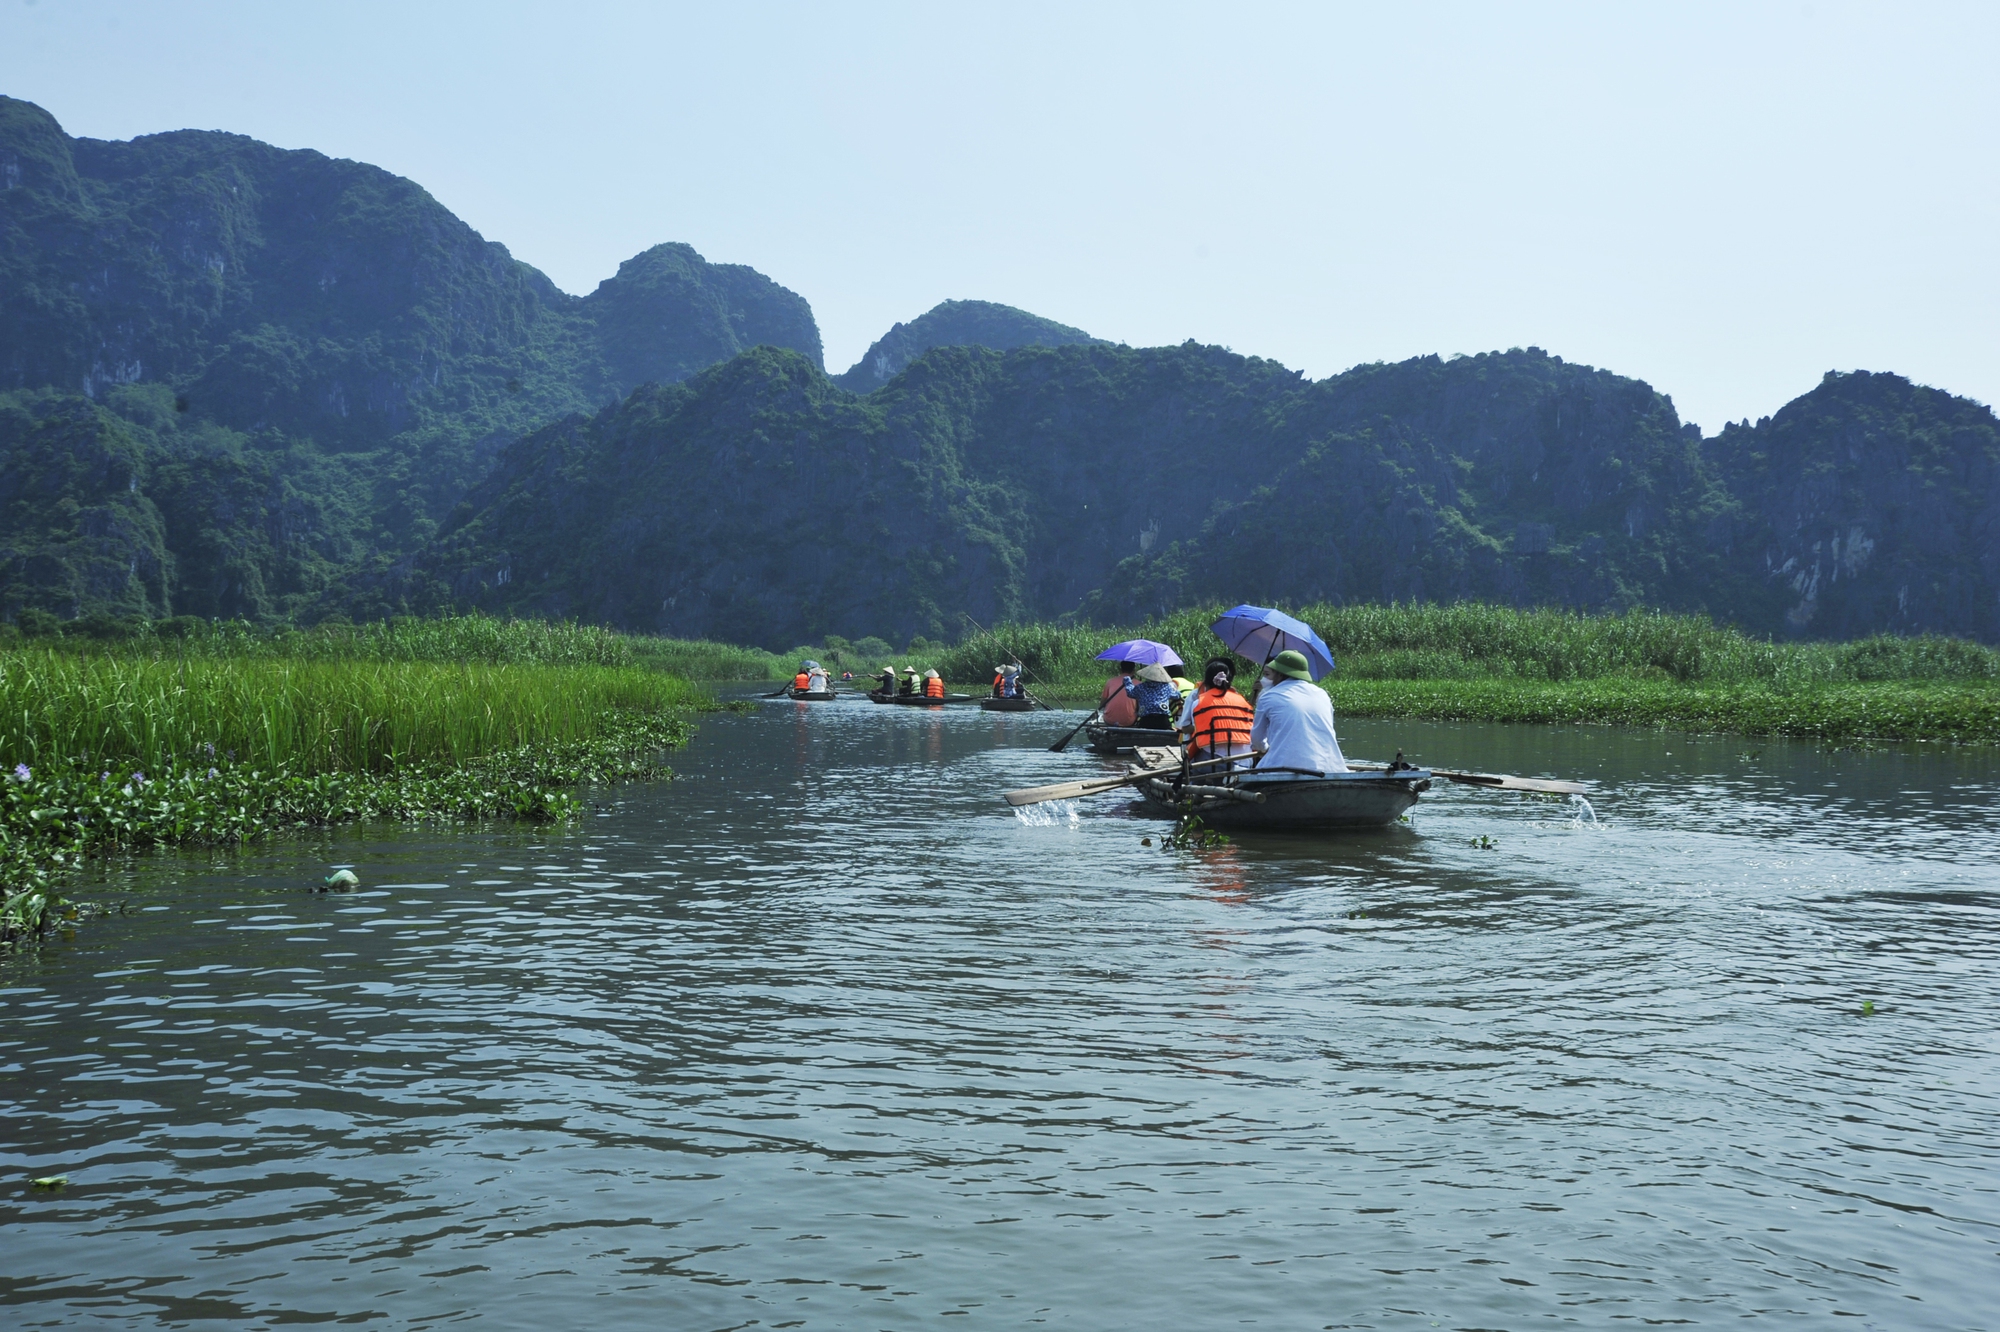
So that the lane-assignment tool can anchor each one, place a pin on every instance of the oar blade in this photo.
(1502, 782)
(1036, 795)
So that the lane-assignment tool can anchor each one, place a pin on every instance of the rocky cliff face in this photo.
(1870, 505)
(955, 324)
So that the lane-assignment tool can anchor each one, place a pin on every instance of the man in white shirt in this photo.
(1294, 723)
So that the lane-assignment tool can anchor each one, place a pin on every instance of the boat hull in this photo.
(1126, 739)
(917, 700)
(813, 695)
(1337, 802)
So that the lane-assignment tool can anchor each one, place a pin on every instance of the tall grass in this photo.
(1467, 642)
(307, 716)
(452, 638)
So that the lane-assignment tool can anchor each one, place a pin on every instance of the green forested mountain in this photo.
(240, 381)
(328, 338)
(955, 324)
(756, 503)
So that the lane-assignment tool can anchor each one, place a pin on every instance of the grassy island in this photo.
(1489, 663)
(186, 734)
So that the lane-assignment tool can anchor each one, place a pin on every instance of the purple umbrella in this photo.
(1261, 634)
(1142, 650)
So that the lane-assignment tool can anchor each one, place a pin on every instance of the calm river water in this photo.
(823, 1035)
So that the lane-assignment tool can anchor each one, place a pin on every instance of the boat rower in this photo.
(1114, 702)
(888, 685)
(1294, 722)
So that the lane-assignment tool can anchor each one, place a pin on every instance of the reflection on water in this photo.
(825, 1035)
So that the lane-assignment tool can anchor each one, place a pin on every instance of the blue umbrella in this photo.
(1260, 634)
(1142, 650)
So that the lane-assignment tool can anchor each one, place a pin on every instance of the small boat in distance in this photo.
(1007, 704)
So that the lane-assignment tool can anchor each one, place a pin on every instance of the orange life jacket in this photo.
(934, 687)
(1221, 717)
(802, 681)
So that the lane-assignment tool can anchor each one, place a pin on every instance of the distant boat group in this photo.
(1200, 747)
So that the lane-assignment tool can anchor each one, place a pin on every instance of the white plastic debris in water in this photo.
(1048, 814)
(1585, 815)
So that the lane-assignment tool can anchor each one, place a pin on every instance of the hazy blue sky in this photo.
(1725, 201)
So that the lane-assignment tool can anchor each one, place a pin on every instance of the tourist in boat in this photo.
(933, 685)
(1113, 702)
(999, 682)
(1294, 722)
(1014, 687)
(803, 680)
(911, 684)
(817, 680)
(1153, 698)
(1217, 721)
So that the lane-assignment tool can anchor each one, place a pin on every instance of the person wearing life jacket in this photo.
(999, 682)
(1294, 724)
(1114, 704)
(803, 680)
(910, 682)
(1218, 720)
(933, 685)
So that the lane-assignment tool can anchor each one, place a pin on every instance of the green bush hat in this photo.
(1291, 666)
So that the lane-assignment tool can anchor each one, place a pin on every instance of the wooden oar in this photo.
(1035, 795)
(1493, 780)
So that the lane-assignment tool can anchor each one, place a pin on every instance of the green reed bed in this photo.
(1641, 668)
(453, 638)
(101, 752)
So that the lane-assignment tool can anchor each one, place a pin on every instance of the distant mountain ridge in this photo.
(955, 324)
(755, 503)
(242, 381)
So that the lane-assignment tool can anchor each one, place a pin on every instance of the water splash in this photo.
(1048, 814)
(1585, 816)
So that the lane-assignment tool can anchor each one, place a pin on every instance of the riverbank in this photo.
(212, 743)
(1489, 663)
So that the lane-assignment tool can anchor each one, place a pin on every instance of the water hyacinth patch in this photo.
(70, 812)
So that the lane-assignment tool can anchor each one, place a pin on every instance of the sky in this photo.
(1723, 200)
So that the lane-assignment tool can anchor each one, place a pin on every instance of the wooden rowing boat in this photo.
(1333, 802)
(1007, 704)
(917, 700)
(1125, 739)
(812, 695)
